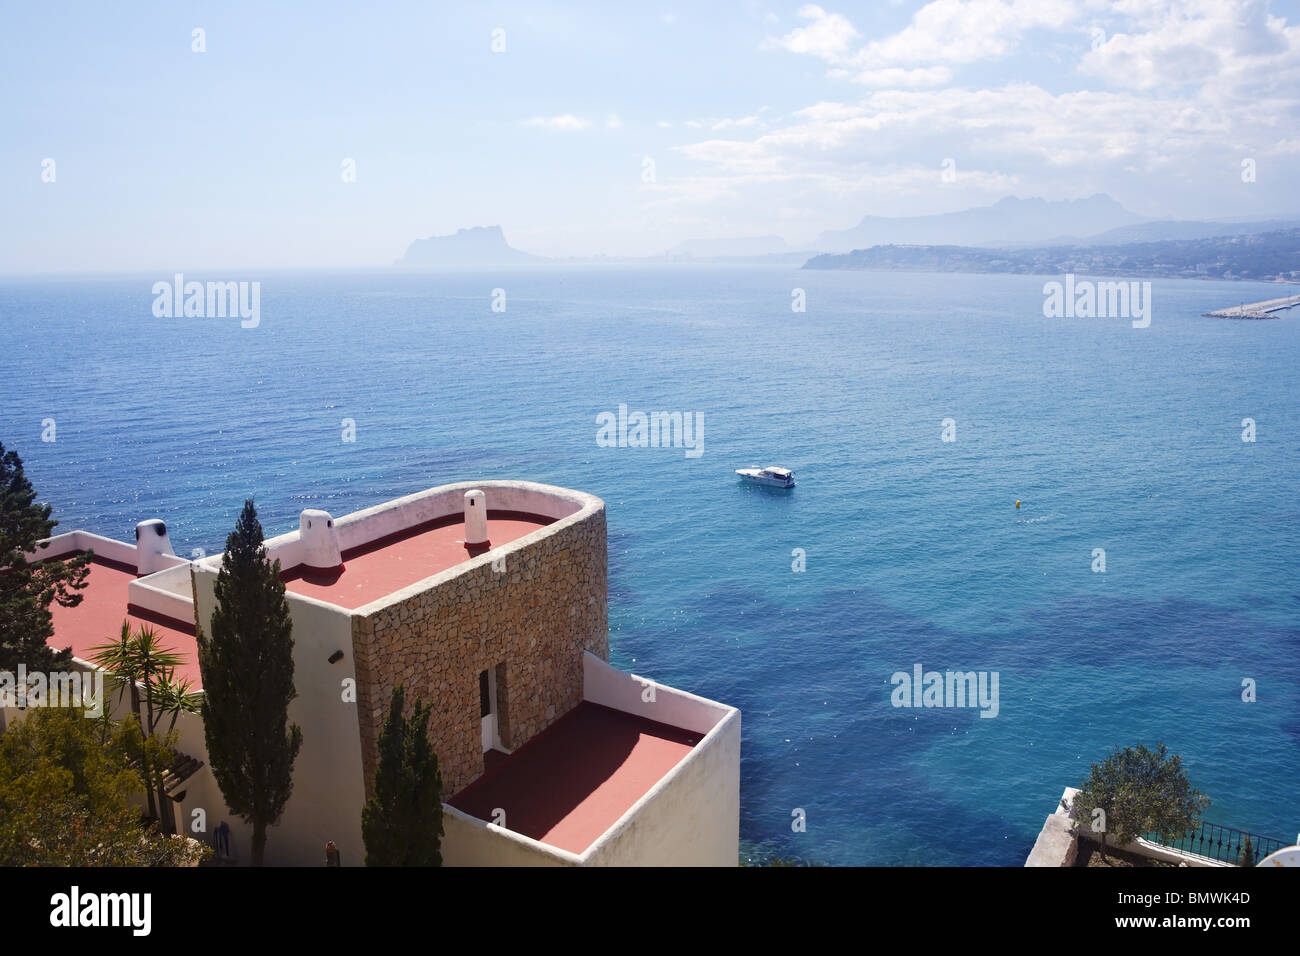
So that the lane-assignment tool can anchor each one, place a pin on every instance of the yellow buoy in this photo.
(1017, 504)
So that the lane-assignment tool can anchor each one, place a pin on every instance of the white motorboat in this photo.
(771, 476)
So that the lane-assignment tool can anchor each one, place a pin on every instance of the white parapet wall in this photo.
(165, 592)
(172, 569)
(74, 541)
(1058, 842)
(607, 685)
(691, 817)
(468, 841)
(391, 517)
(364, 527)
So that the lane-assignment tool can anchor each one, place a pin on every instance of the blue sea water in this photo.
(1112, 437)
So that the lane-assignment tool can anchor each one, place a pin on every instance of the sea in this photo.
(1144, 591)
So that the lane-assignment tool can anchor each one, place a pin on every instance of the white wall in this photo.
(62, 544)
(605, 684)
(165, 592)
(328, 784)
(329, 789)
(371, 524)
(73, 541)
(401, 514)
(691, 817)
(468, 841)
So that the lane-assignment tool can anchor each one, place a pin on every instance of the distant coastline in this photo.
(1264, 257)
(1013, 236)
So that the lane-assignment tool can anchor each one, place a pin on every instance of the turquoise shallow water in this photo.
(1113, 437)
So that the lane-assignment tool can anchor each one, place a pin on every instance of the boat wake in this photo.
(1039, 518)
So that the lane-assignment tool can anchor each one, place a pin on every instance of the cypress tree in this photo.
(1247, 855)
(247, 668)
(28, 590)
(402, 823)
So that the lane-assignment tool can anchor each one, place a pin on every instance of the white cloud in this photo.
(1159, 114)
(740, 123)
(1070, 143)
(828, 36)
(1235, 48)
(964, 31)
(942, 34)
(568, 123)
(899, 76)
(565, 123)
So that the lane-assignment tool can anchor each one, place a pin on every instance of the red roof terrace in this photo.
(396, 561)
(105, 604)
(573, 781)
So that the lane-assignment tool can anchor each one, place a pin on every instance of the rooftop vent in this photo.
(151, 545)
(320, 540)
(476, 530)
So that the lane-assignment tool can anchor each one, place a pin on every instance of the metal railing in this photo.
(1223, 843)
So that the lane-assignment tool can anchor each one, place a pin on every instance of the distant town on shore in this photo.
(1270, 257)
(1096, 235)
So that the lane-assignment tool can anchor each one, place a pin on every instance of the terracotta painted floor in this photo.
(378, 569)
(98, 618)
(572, 782)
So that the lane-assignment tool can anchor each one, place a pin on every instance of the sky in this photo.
(130, 142)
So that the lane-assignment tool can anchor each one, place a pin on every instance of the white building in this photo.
(489, 600)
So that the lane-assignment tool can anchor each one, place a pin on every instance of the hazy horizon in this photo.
(583, 131)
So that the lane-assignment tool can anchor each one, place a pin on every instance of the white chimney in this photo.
(151, 544)
(320, 540)
(476, 531)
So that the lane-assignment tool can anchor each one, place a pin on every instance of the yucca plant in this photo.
(174, 697)
(145, 670)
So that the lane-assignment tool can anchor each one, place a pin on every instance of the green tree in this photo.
(1247, 855)
(402, 823)
(1140, 791)
(28, 589)
(65, 790)
(137, 659)
(247, 668)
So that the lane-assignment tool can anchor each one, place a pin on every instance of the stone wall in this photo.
(1058, 842)
(531, 621)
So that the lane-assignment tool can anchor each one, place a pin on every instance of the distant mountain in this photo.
(1010, 220)
(468, 248)
(729, 248)
(1271, 256)
(1167, 229)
